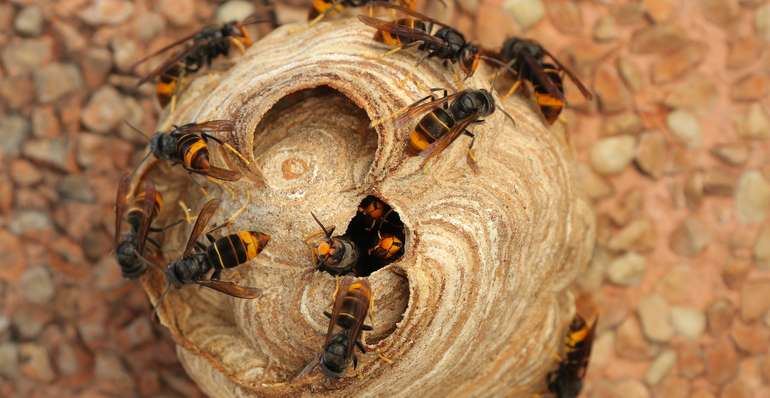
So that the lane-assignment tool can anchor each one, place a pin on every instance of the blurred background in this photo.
(673, 152)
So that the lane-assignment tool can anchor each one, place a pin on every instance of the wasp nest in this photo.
(479, 300)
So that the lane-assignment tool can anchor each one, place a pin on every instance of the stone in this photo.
(44, 122)
(105, 110)
(655, 317)
(147, 25)
(178, 12)
(660, 10)
(27, 55)
(35, 363)
(755, 299)
(9, 359)
(651, 154)
(658, 39)
(16, 91)
(690, 362)
(751, 87)
(56, 80)
(77, 188)
(630, 388)
(720, 316)
(125, 53)
(719, 182)
(610, 90)
(54, 152)
(594, 185)
(690, 237)
(762, 22)
(735, 273)
(673, 387)
(630, 343)
(136, 333)
(688, 322)
(70, 36)
(693, 190)
(526, 12)
(605, 29)
(743, 51)
(698, 92)
(719, 12)
(603, 349)
(627, 269)
(37, 285)
(565, 16)
(238, 10)
(755, 124)
(107, 12)
(611, 155)
(96, 64)
(678, 63)
(660, 367)
(752, 197)
(733, 154)
(108, 366)
(622, 123)
(632, 236)
(737, 389)
(29, 21)
(721, 361)
(15, 130)
(630, 73)
(685, 127)
(762, 248)
(29, 321)
(750, 338)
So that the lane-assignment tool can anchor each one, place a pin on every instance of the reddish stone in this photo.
(720, 316)
(721, 361)
(750, 338)
(750, 88)
(690, 361)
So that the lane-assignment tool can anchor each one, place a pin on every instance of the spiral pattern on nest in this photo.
(477, 304)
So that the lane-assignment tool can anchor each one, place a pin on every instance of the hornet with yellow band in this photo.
(138, 213)
(226, 252)
(188, 145)
(567, 380)
(388, 248)
(334, 254)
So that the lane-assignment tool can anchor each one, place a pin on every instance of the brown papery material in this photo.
(477, 304)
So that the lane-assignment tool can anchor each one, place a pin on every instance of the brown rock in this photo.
(56, 80)
(698, 92)
(752, 198)
(690, 362)
(693, 190)
(27, 55)
(178, 12)
(674, 387)
(737, 389)
(720, 316)
(45, 124)
(651, 154)
(627, 13)
(25, 173)
(655, 315)
(605, 29)
(594, 185)
(750, 88)
(612, 94)
(96, 64)
(735, 273)
(105, 110)
(755, 124)
(35, 364)
(658, 39)
(630, 344)
(750, 338)
(743, 51)
(660, 367)
(755, 299)
(55, 152)
(720, 12)
(762, 247)
(630, 73)
(634, 236)
(630, 388)
(627, 269)
(612, 154)
(16, 91)
(721, 361)
(660, 10)
(690, 237)
(622, 123)
(734, 154)
(565, 16)
(671, 66)
(136, 333)
(719, 182)
(110, 12)
(69, 35)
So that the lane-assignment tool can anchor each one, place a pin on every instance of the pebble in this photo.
(68, 34)
(685, 127)
(752, 197)
(720, 315)
(690, 362)
(627, 270)
(178, 12)
(54, 152)
(655, 317)
(565, 16)
(9, 359)
(719, 12)
(751, 87)
(29, 321)
(743, 51)
(658, 39)
(755, 299)
(37, 285)
(526, 12)
(109, 367)
(124, 53)
(633, 236)
(105, 110)
(107, 12)
(44, 122)
(721, 361)
(690, 237)
(678, 63)
(660, 367)
(613, 96)
(56, 80)
(148, 25)
(605, 29)
(29, 21)
(756, 124)
(136, 333)
(603, 349)
(35, 363)
(733, 154)
(612, 154)
(698, 92)
(622, 123)
(16, 91)
(627, 13)
(737, 389)
(762, 22)
(630, 388)
(762, 248)
(27, 55)
(660, 10)
(76, 187)
(630, 73)
(719, 182)
(651, 154)
(238, 10)
(96, 64)
(735, 273)
(673, 387)
(750, 338)
(15, 130)
(594, 185)
(29, 221)
(688, 322)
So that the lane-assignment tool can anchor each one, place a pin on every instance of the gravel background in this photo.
(674, 152)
